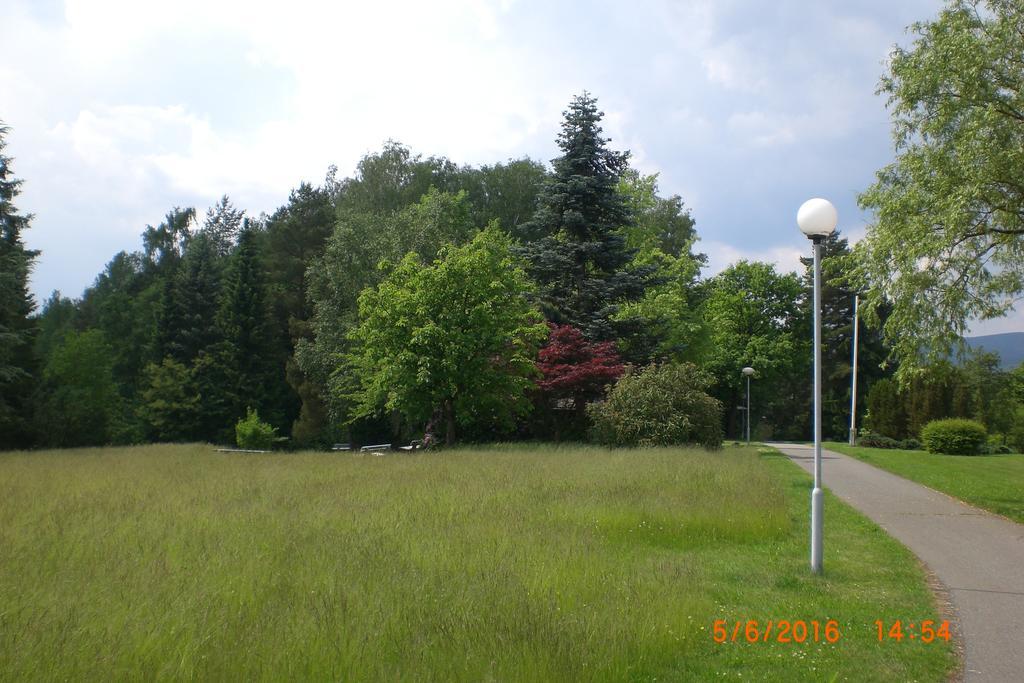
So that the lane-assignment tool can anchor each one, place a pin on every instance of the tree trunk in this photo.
(449, 418)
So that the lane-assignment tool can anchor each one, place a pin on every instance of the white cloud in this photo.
(854, 233)
(118, 107)
(762, 129)
(720, 256)
(729, 65)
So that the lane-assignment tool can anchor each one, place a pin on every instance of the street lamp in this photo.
(748, 371)
(817, 219)
(853, 389)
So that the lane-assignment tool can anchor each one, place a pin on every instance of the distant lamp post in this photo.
(817, 219)
(748, 371)
(853, 388)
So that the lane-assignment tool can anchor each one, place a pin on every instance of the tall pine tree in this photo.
(192, 301)
(223, 224)
(17, 330)
(244, 320)
(582, 263)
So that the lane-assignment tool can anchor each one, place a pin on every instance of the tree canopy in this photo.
(17, 329)
(582, 264)
(453, 340)
(947, 243)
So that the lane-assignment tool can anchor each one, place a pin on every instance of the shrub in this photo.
(954, 436)
(661, 405)
(254, 434)
(878, 441)
(996, 445)
(910, 445)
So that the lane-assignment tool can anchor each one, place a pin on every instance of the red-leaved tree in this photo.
(575, 371)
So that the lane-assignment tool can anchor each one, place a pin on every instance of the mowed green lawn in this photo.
(991, 482)
(515, 563)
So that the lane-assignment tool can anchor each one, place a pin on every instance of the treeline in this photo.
(478, 303)
(976, 389)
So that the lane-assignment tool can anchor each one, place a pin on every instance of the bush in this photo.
(910, 445)
(996, 445)
(662, 405)
(954, 436)
(254, 434)
(878, 441)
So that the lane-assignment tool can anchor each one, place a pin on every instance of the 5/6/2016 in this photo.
(782, 631)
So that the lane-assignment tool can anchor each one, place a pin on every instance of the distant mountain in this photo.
(1009, 346)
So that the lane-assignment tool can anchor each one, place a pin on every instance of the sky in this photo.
(122, 109)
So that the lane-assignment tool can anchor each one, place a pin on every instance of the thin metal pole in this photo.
(853, 391)
(816, 494)
(748, 410)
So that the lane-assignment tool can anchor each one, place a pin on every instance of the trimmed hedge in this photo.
(877, 441)
(954, 437)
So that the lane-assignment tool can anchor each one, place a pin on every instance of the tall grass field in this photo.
(518, 563)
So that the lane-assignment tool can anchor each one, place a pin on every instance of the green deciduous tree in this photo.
(169, 405)
(666, 321)
(18, 366)
(757, 317)
(947, 244)
(79, 404)
(55, 320)
(349, 265)
(123, 302)
(164, 244)
(506, 192)
(454, 338)
(394, 178)
(658, 223)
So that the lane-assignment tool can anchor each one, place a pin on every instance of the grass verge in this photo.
(991, 482)
(508, 563)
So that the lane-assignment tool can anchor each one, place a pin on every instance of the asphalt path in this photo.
(978, 556)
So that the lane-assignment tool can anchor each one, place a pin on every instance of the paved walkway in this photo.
(977, 555)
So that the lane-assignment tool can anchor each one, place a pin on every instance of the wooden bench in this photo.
(377, 447)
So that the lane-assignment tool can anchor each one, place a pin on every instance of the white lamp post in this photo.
(817, 219)
(748, 371)
(853, 389)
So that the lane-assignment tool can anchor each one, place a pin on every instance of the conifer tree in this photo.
(223, 224)
(582, 263)
(17, 330)
(163, 249)
(837, 337)
(191, 302)
(246, 331)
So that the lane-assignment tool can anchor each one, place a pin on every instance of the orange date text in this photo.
(772, 631)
